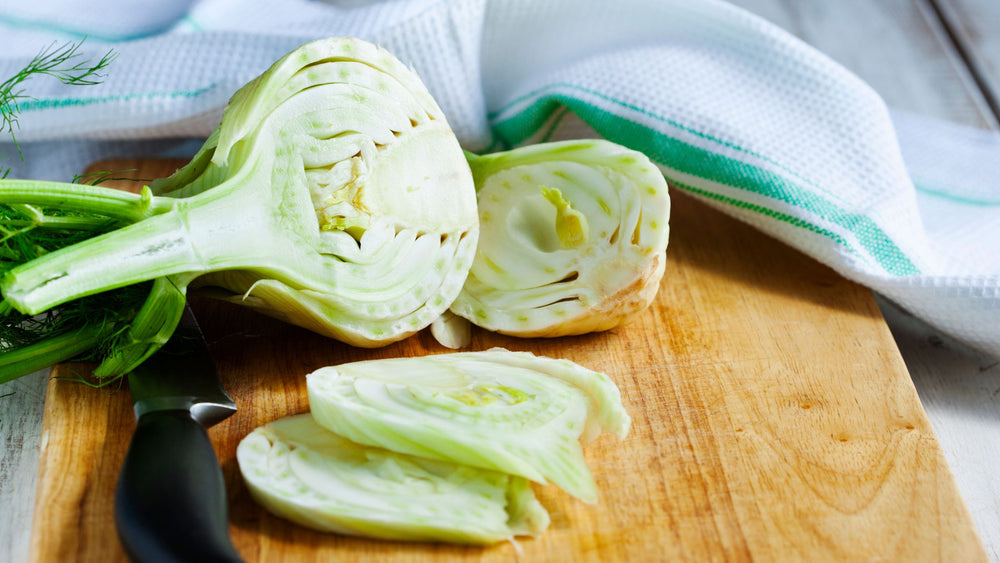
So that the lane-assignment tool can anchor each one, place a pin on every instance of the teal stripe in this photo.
(192, 23)
(77, 33)
(783, 217)
(956, 198)
(50, 103)
(541, 93)
(711, 166)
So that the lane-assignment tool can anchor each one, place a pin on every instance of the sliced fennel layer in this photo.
(512, 412)
(573, 238)
(301, 471)
(452, 331)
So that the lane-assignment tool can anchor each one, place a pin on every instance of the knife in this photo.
(170, 502)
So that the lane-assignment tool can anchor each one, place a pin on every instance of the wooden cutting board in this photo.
(773, 420)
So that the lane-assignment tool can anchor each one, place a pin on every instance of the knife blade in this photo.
(170, 500)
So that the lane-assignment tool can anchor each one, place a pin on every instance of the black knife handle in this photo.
(170, 504)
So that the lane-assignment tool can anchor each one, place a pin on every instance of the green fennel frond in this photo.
(64, 63)
(28, 232)
(87, 329)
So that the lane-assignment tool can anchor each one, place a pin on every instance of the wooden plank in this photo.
(975, 28)
(773, 420)
(897, 46)
(66, 454)
(960, 391)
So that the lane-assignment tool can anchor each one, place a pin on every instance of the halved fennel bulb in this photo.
(333, 195)
(573, 238)
(512, 412)
(387, 181)
(301, 471)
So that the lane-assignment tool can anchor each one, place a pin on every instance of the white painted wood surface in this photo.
(21, 404)
(976, 23)
(897, 46)
(915, 61)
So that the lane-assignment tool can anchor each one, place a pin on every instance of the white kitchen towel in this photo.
(734, 110)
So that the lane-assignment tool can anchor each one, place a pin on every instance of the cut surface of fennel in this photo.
(300, 471)
(512, 412)
(333, 195)
(573, 238)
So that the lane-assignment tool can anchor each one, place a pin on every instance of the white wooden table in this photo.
(939, 58)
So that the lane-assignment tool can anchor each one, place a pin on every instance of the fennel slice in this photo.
(506, 411)
(300, 471)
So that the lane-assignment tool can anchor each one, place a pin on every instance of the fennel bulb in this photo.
(333, 195)
(573, 239)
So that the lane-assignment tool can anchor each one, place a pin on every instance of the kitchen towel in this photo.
(734, 110)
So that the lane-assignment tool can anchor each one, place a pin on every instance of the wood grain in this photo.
(773, 420)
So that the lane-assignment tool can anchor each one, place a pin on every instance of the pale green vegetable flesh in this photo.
(333, 195)
(300, 471)
(511, 412)
(451, 331)
(573, 238)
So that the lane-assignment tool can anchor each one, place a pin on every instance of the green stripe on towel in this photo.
(696, 161)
